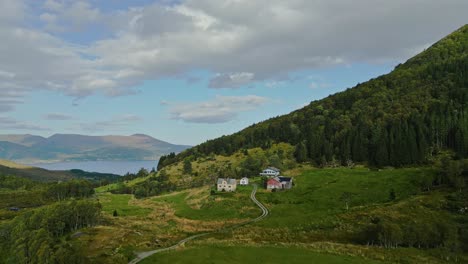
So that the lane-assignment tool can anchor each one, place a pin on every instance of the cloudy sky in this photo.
(187, 71)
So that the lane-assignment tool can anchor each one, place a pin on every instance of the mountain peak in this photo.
(141, 135)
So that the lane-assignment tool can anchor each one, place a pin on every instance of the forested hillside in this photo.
(402, 118)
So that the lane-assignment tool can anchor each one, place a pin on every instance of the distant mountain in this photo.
(71, 147)
(42, 175)
(401, 118)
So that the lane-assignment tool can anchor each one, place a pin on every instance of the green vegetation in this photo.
(43, 175)
(221, 206)
(320, 195)
(38, 236)
(254, 255)
(342, 213)
(404, 117)
(121, 204)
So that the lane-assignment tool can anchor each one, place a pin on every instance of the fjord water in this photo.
(115, 167)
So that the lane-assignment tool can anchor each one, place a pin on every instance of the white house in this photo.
(226, 185)
(244, 181)
(271, 172)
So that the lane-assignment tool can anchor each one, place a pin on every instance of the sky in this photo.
(186, 71)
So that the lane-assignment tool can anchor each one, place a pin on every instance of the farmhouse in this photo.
(244, 181)
(226, 185)
(271, 172)
(272, 183)
(279, 183)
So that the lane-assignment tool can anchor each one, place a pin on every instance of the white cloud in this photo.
(243, 41)
(220, 110)
(75, 15)
(232, 80)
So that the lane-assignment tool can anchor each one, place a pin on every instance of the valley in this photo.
(310, 219)
(376, 173)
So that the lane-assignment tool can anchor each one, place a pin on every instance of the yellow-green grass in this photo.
(243, 254)
(121, 203)
(220, 206)
(113, 186)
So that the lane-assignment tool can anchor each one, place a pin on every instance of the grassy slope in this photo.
(113, 186)
(206, 167)
(221, 206)
(310, 214)
(121, 203)
(242, 254)
(316, 197)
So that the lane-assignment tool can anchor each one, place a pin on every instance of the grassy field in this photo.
(113, 186)
(319, 195)
(121, 203)
(240, 254)
(308, 224)
(203, 206)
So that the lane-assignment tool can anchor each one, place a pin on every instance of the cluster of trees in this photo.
(38, 236)
(154, 185)
(9, 182)
(451, 173)
(70, 189)
(166, 160)
(423, 233)
(400, 118)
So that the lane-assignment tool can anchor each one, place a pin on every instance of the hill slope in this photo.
(43, 175)
(400, 118)
(60, 147)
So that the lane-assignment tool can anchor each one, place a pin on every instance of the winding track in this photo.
(143, 255)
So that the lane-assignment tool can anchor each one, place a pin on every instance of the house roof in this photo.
(229, 181)
(273, 181)
(284, 179)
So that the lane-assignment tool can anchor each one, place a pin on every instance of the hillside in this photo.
(401, 118)
(43, 175)
(69, 147)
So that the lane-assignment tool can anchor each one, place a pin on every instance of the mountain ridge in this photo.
(58, 147)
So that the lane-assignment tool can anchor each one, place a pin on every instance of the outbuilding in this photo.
(244, 181)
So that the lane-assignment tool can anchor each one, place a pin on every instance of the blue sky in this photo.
(188, 71)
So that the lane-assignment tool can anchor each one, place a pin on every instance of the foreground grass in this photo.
(240, 254)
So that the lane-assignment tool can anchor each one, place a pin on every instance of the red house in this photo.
(279, 183)
(273, 183)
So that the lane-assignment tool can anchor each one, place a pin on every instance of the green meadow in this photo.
(212, 207)
(121, 203)
(319, 195)
(254, 255)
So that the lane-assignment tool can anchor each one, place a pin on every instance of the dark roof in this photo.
(285, 179)
(273, 169)
(228, 181)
